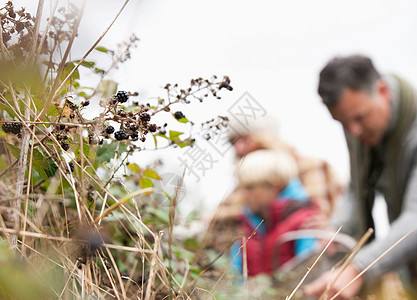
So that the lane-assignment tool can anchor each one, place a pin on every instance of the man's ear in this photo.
(383, 90)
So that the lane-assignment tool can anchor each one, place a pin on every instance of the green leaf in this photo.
(183, 144)
(83, 94)
(39, 159)
(98, 71)
(88, 64)
(173, 134)
(40, 171)
(191, 243)
(161, 215)
(3, 163)
(183, 120)
(134, 167)
(13, 150)
(89, 152)
(8, 109)
(67, 69)
(52, 110)
(102, 49)
(152, 174)
(145, 183)
(106, 152)
(52, 167)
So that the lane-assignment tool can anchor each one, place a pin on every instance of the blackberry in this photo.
(71, 165)
(109, 129)
(65, 146)
(179, 115)
(122, 96)
(7, 127)
(152, 127)
(120, 135)
(134, 127)
(145, 117)
(134, 135)
(14, 128)
(86, 103)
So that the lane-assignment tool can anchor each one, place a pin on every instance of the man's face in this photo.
(363, 115)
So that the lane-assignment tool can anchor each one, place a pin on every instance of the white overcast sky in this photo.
(272, 49)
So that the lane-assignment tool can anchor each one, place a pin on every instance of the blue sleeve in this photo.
(237, 263)
(303, 246)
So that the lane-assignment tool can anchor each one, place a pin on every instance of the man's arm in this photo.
(403, 253)
(345, 213)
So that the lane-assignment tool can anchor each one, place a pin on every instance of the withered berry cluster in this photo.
(16, 28)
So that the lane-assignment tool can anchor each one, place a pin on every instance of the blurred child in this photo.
(264, 176)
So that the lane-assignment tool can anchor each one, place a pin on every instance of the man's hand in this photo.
(317, 287)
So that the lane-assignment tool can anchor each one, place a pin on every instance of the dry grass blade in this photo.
(245, 269)
(153, 267)
(312, 266)
(123, 201)
(373, 263)
(347, 261)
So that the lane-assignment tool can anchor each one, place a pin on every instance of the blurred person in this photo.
(264, 174)
(379, 117)
(322, 184)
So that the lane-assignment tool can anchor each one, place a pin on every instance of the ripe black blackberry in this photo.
(71, 165)
(65, 146)
(120, 135)
(134, 135)
(14, 128)
(122, 96)
(145, 117)
(152, 127)
(7, 127)
(110, 129)
(179, 115)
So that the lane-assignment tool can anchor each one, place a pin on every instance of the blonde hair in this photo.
(271, 167)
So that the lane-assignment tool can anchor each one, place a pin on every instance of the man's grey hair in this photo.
(355, 72)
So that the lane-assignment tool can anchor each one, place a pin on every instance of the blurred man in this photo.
(379, 117)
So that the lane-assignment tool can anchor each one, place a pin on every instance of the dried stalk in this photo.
(370, 265)
(312, 266)
(354, 251)
(153, 267)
